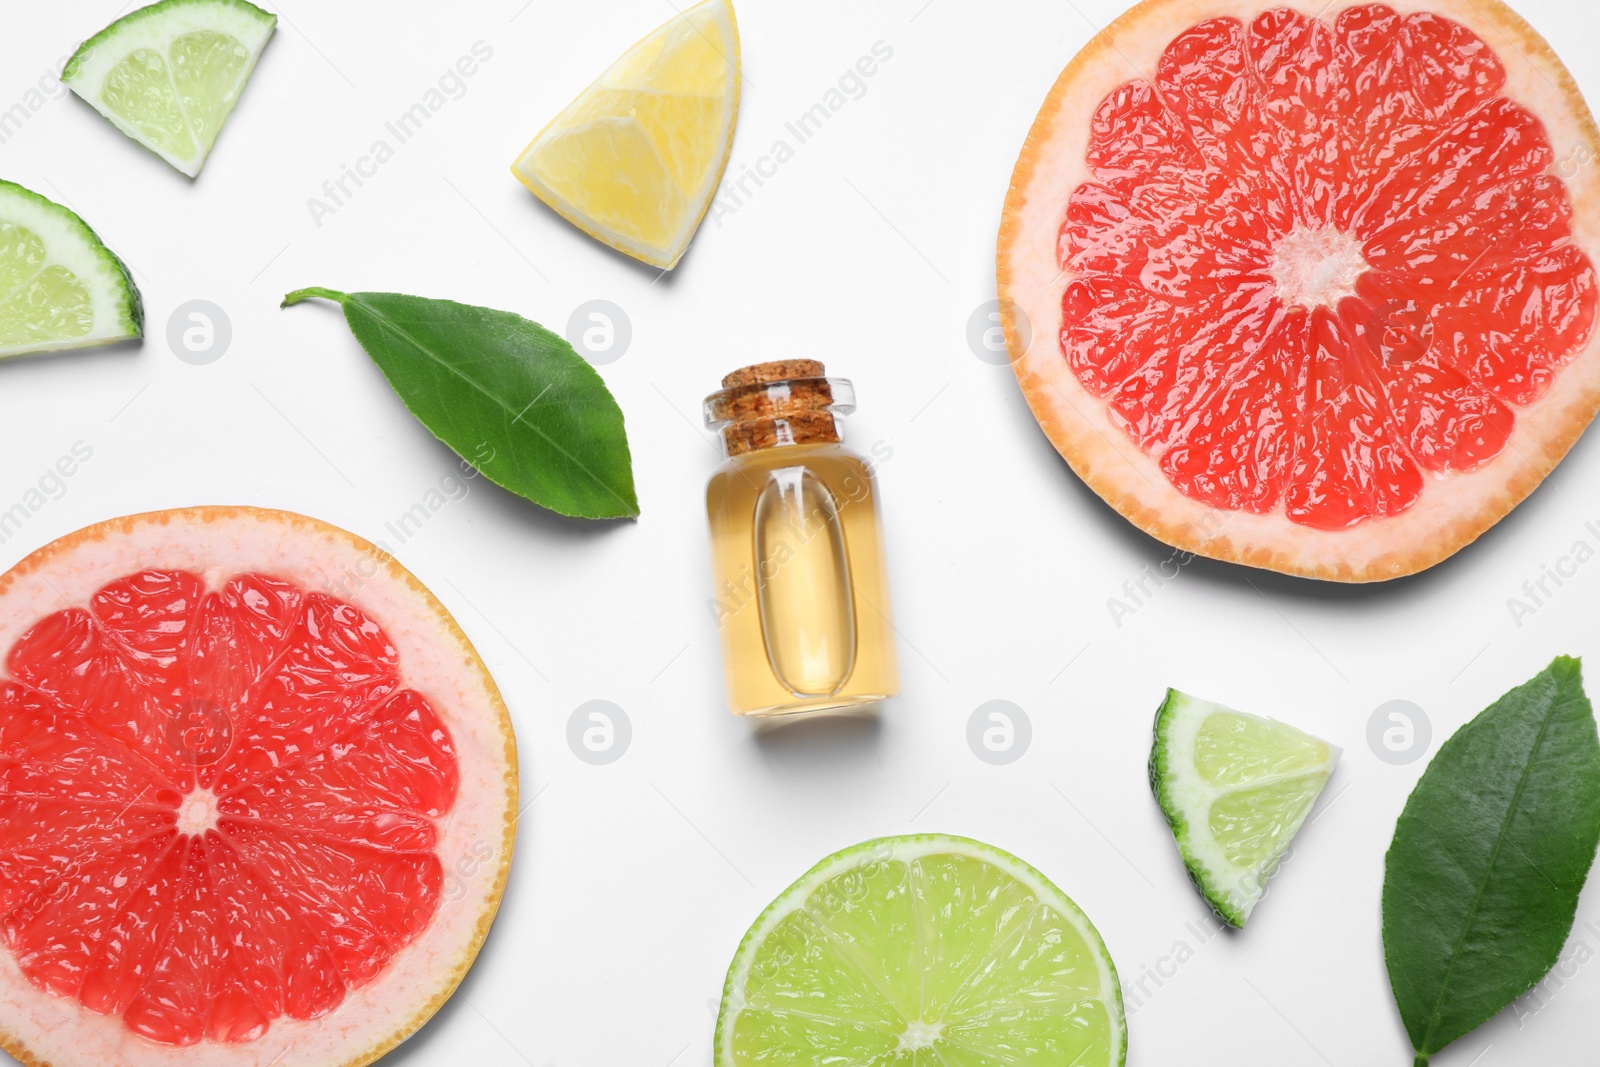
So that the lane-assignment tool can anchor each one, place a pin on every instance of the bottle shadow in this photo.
(840, 742)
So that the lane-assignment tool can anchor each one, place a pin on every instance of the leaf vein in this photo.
(1435, 1015)
(389, 324)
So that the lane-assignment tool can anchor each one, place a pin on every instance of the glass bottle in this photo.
(802, 598)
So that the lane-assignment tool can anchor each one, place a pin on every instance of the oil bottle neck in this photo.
(771, 405)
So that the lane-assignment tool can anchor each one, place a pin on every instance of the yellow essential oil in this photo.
(801, 595)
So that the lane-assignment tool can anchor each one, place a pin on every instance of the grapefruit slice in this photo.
(257, 795)
(1310, 286)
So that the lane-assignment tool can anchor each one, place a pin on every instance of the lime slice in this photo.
(60, 287)
(1235, 789)
(923, 951)
(169, 74)
(635, 160)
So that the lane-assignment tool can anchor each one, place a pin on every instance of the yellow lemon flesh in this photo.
(635, 160)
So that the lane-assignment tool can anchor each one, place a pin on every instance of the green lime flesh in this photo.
(1235, 790)
(60, 286)
(926, 950)
(168, 75)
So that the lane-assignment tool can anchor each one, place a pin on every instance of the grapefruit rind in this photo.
(436, 658)
(905, 849)
(1454, 509)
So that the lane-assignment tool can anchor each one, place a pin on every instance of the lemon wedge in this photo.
(635, 160)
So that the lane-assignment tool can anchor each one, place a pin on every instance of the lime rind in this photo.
(906, 849)
(155, 28)
(1231, 889)
(117, 309)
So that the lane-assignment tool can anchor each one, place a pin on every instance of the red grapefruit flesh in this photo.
(1311, 287)
(256, 796)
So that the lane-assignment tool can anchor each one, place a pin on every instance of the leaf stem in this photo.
(315, 291)
(1420, 1061)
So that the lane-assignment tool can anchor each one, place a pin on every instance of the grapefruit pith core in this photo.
(1310, 287)
(256, 795)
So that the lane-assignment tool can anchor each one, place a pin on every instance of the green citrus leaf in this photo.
(1482, 879)
(511, 397)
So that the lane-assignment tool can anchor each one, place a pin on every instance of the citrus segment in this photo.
(635, 160)
(168, 75)
(208, 71)
(139, 91)
(60, 287)
(232, 804)
(1235, 790)
(1320, 271)
(925, 949)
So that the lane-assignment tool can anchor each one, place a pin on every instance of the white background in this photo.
(870, 248)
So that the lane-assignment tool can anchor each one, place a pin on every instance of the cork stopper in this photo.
(784, 402)
(779, 370)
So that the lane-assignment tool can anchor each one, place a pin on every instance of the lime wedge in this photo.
(168, 75)
(60, 287)
(923, 951)
(1235, 790)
